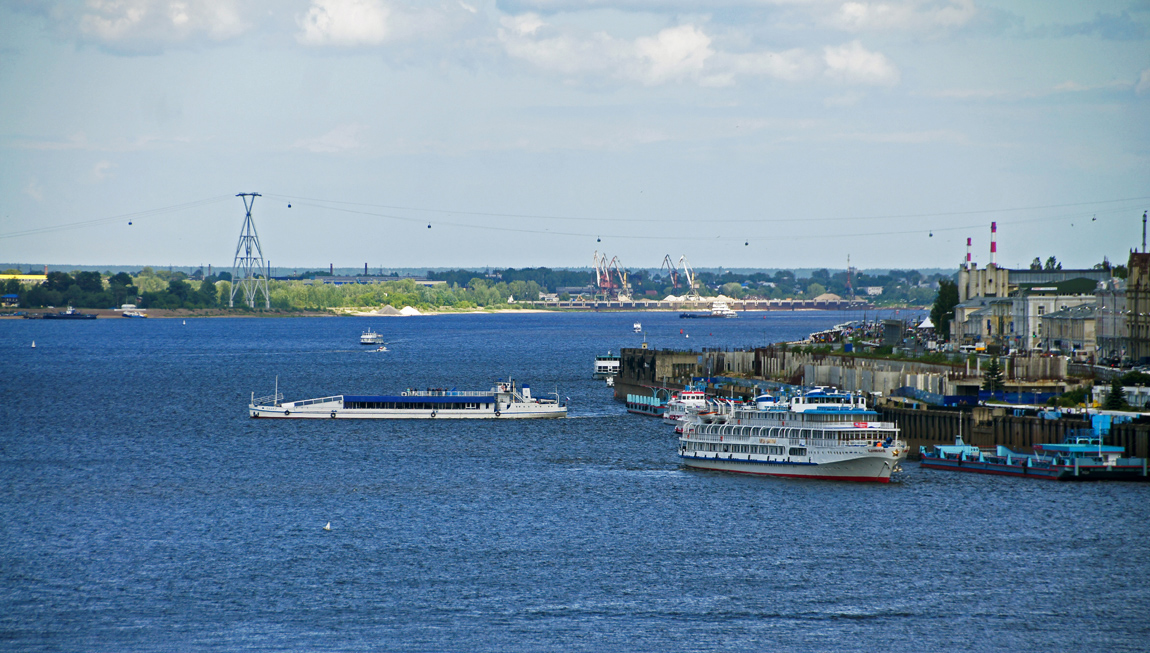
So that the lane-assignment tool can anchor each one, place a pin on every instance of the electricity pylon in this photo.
(250, 262)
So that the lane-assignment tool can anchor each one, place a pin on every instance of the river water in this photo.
(142, 509)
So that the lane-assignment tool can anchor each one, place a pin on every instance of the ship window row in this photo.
(787, 432)
(763, 449)
(409, 405)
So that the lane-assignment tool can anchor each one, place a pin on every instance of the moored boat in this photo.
(70, 314)
(817, 434)
(606, 366)
(1081, 456)
(649, 405)
(683, 401)
(504, 401)
(135, 314)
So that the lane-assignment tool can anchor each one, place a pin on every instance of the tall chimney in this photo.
(331, 269)
(365, 269)
(993, 244)
(967, 253)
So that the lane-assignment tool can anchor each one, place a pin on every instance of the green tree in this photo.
(1116, 398)
(89, 282)
(732, 289)
(943, 310)
(815, 289)
(207, 292)
(179, 289)
(58, 282)
(992, 376)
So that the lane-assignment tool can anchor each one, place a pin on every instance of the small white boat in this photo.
(370, 337)
(638, 327)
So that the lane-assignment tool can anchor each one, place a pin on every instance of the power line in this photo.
(694, 236)
(116, 218)
(901, 216)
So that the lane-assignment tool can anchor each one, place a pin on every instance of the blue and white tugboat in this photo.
(504, 401)
(1081, 456)
(817, 434)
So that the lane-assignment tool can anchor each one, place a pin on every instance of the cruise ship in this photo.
(504, 401)
(817, 434)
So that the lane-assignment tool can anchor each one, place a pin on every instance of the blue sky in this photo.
(741, 133)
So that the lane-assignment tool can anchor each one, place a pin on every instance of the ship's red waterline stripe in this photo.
(856, 479)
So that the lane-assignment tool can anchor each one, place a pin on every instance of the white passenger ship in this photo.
(370, 337)
(504, 401)
(606, 366)
(819, 434)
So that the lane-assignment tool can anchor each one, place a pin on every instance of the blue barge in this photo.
(1080, 457)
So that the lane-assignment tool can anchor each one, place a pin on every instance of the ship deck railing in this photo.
(270, 400)
(321, 400)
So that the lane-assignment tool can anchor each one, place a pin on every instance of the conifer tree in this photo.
(1116, 398)
(992, 376)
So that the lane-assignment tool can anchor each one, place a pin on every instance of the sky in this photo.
(471, 133)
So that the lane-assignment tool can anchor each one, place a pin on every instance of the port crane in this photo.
(681, 271)
(672, 271)
(610, 276)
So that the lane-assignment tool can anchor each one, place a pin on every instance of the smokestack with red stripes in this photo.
(993, 244)
(967, 253)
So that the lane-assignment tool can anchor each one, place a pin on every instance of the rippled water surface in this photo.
(143, 510)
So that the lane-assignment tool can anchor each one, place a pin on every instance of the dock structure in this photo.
(704, 303)
(901, 391)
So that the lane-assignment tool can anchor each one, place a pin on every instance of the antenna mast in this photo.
(251, 261)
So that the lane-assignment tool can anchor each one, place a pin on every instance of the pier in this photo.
(898, 390)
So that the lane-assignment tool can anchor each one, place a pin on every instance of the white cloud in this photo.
(685, 53)
(34, 190)
(912, 15)
(1143, 86)
(355, 23)
(343, 138)
(102, 170)
(344, 22)
(673, 54)
(854, 64)
(144, 22)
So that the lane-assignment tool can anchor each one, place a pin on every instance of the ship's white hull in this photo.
(274, 412)
(874, 469)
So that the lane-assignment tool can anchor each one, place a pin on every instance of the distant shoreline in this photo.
(162, 313)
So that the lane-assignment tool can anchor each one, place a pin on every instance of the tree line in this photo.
(463, 289)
